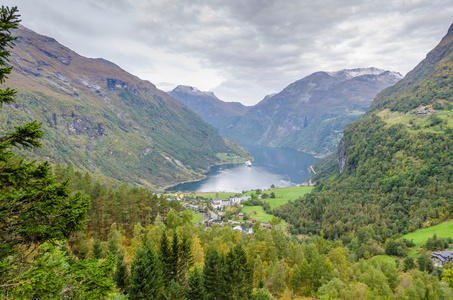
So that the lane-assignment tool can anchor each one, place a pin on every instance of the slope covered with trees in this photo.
(393, 169)
(98, 117)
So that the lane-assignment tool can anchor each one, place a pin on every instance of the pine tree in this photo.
(185, 261)
(238, 274)
(164, 256)
(263, 294)
(34, 208)
(174, 257)
(97, 248)
(146, 274)
(212, 274)
(121, 275)
(195, 289)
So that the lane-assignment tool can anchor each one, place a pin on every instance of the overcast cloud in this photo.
(242, 49)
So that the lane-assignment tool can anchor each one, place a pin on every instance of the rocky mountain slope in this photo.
(310, 114)
(100, 118)
(220, 114)
(393, 170)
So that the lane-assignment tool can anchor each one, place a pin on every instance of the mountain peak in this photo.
(351, 73)
(192, 91)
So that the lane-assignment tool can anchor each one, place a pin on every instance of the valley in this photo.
(92, 159)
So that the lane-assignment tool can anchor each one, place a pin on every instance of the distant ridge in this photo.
(218, 113)
(308, 115)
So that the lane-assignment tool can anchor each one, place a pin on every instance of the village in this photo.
(225, 212)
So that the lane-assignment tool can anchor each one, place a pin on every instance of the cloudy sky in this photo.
(242, 49)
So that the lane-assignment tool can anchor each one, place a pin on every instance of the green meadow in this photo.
(197, 217)
(284, 195)
(257, 212)
(421, 236)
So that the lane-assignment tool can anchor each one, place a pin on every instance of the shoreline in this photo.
(204, 176)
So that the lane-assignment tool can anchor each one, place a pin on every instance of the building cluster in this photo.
(222, 203)
(422, 112)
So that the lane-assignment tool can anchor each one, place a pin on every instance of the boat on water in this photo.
(248, 163)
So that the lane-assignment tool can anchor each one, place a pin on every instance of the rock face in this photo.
(98, 117)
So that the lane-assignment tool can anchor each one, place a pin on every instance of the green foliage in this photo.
(425, 263)
(195, 289)
(97, 248)
(436, 244)
(397, 248)
(34, 208)
(212, 274)
(146, 274)
(314, 271)
(389, 176)
(9, 19)
(51, 277)
(409, 264)
(185, 260)
(124, 204)
(165, 259)
(94, 279)
(238, 274)
(121, 275)
(263, 294)
(403, 178)
(420, 236)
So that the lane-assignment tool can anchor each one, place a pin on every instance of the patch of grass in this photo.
(284, 195)
(421, 236)
(257, 213)
(383, 257)
(418, 123)
(230, 158)
(197, 217)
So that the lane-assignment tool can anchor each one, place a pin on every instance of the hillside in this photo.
(220, 114)
(393, 170)
(309, 115)
(99, 118)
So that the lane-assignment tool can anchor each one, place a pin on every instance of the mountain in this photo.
(393, 170)
(220, 114)
(310, 114)
(98, 117)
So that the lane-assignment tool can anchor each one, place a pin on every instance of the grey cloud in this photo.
(256, 47)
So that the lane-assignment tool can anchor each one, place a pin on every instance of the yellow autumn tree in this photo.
(198, 253)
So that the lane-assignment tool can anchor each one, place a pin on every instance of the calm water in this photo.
(272, 166)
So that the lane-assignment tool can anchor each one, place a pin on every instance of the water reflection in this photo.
(271, 166)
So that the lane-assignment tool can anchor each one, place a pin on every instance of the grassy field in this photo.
(383, 257)
(421, 236)
(230, 159)
(197, 217)
(419, 121)
(257, 213)
(283, 195)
